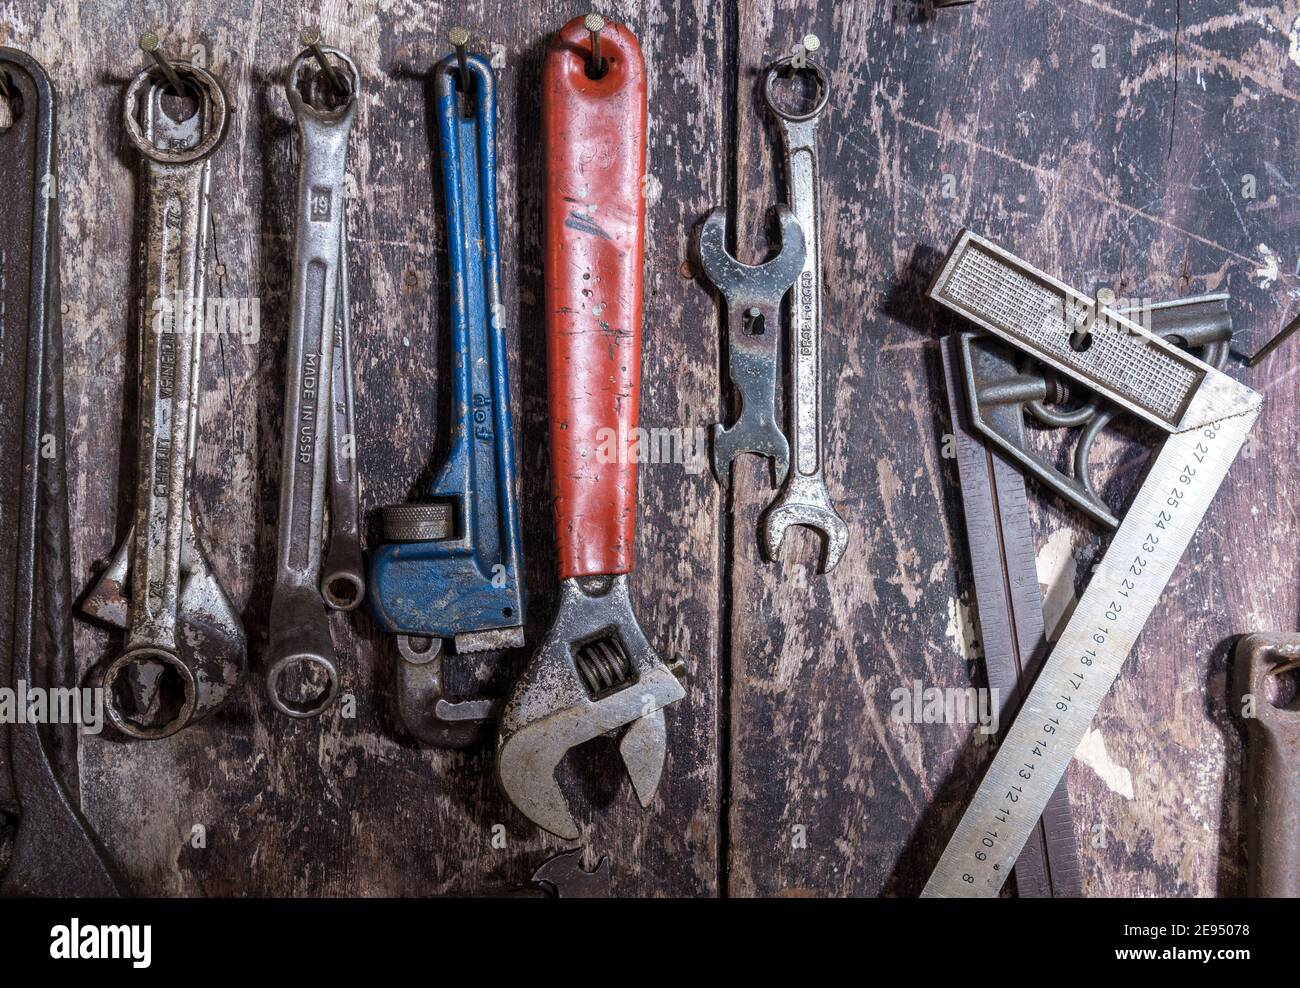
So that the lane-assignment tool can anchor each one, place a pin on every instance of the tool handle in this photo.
(595, 134)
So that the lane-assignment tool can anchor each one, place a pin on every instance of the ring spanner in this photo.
(804, 500)
(596, 672)
(316, 453)
(47, 847)
(185, 648)
(450, 568)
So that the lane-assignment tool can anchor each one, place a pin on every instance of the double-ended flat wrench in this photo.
(317, 453)
(804, 500)
(185, 647)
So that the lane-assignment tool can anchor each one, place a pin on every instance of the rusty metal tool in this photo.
(185, 646)
(316, 456)
(753, 295)
(804, 500)
(987, 384)
(1206, 417)
(450, 568)
(595, 673)
(1265, 668)
(46, 846)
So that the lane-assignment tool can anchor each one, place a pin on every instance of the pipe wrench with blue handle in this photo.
(449, 567)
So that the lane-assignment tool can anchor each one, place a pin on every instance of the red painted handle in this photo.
(595, 225)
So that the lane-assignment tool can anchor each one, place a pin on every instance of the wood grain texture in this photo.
(1131, 175)
(350, 805)
(786, 773)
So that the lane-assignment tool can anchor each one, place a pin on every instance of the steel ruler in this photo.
(1207, 416)
(1010, 608)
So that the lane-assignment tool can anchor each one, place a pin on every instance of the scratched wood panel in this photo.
(349, 805)
(1158, 164)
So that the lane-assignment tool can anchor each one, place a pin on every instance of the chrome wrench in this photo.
(804, 500)
(299, 633)
(753, 294)
(185, 648)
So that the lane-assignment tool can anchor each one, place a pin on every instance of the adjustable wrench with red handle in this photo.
(595, 673)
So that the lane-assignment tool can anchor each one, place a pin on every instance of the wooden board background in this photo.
(1111, 143)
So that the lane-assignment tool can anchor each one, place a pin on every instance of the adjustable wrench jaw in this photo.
(448, 572)
(753, 294)
(595, 674)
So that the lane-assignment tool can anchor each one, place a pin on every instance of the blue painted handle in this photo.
(470, 582)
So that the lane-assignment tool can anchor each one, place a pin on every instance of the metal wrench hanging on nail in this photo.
(315, 456)
(449, 570)
(753, 294)
(185, 648)
(595, 673)
(804, 500)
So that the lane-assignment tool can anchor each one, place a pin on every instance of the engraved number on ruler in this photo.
(1131, 582)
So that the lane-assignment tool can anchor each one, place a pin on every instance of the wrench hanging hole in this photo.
(319, 91)
(303, 685)
(179, 107)
(343, 592)
(603, 663)
(1283, 685)
(798, 94)
(754, 322)
(11, 102)
(148, 695)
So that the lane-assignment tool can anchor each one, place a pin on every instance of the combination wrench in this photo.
(1262, 664)
(185, 647)
(46, 846)
(804, 500)
(753, 295)
(450, 566)
(315, 454)
(595, 673)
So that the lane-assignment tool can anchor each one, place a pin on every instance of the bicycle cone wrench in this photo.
(185, 648)
(46, 846)
(300, 633)
(595, 673)
(450, 567)
(804, 500)
(753, 294)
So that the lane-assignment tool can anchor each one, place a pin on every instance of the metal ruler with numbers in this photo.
(1207, 416)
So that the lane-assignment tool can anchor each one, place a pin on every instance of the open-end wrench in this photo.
(450, 569)
(596, 672)
(1272, 781)
(300, 643)
(804, 500)
(185, 648)
(46, 846)
(753, 294)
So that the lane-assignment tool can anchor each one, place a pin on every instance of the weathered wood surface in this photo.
(786, 772)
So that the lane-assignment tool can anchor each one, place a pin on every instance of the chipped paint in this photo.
(1057, 569)
(1269, 267)
(1092, 752)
